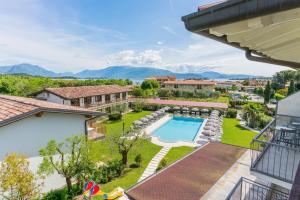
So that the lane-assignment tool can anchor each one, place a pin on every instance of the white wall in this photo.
(50, 97)
(29, 135)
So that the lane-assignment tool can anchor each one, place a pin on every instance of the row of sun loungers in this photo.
(213, 127)
(188, 111)
(149, 119)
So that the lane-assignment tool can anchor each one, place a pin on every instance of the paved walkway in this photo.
(151, 168)
(226, 183)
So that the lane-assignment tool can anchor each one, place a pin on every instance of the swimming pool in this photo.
(179, 129)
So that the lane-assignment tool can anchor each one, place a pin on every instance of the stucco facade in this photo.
(29, 135)
(190, 88)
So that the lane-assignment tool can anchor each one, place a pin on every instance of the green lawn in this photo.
(176, 153)
(103, 151)
(235, 134)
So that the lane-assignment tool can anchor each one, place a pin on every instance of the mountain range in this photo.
(116, 72)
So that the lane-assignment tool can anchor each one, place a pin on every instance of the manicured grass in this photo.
(176, 153)
(235, 134)
(104, 151)
(115, 127)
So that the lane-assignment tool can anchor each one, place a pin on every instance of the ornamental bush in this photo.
(231, 113)
(115, 116)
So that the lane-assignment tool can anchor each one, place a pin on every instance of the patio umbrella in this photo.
(185, 108)
(167, 108)
(204, 110)
(195, 109)
(216, 111)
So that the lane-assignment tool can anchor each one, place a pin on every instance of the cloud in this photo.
(131, 57)
(170, 30)
(160, 43)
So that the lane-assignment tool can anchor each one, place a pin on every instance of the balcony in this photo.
(246, 189)
(275, 152)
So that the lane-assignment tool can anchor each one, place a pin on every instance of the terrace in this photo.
(248, 190)
(276, 153)
(276, 149)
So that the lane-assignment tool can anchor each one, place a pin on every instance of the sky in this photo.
(73, 35)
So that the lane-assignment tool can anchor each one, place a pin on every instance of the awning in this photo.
(267, 30)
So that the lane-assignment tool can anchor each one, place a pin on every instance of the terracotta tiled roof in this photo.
(191, 82)
(162, 77)
(13, 108)
(188, 103)
(191, 177)
(87, 91)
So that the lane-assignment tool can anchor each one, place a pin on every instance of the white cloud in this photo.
(169, 30)
(59, 46)
(131, 57)
(203, 54)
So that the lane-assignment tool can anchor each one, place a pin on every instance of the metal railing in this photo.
(246, 189)
(274, 156)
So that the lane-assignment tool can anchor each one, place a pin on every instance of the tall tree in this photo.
(68, 159)
(267, 93)
(150, 84)
(17, 182)
(291, 89)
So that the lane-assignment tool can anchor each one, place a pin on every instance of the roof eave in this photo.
(49, 110)
(237, 10)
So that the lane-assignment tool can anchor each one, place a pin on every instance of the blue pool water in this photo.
(179, 129)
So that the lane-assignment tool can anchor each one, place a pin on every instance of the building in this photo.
(228, 85)
(265, 30)
(162, 79)
(190, 85)
(26, 125)
(98, 97)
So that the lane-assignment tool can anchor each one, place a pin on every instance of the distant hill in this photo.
(117, 72)
(29, 69)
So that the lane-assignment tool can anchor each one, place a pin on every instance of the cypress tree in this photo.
(267, 93)
(291, 89)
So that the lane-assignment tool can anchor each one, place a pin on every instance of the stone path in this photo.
(154, 163)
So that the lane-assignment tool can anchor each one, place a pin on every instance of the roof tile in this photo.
(87, 91)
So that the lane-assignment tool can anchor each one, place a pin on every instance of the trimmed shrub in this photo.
(60, 194)
(138, 159)
(162, 164)
(137, 107)
(231, 113)
(115, 116)
(164, 93)
(278, 96)
(105, 174)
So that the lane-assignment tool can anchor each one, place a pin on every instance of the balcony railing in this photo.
(246, 189)
(274, 154)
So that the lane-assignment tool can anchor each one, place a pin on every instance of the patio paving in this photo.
(191, 177)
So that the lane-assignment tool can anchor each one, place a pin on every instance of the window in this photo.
(98, 98)
(199, 87)
(176, 86)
